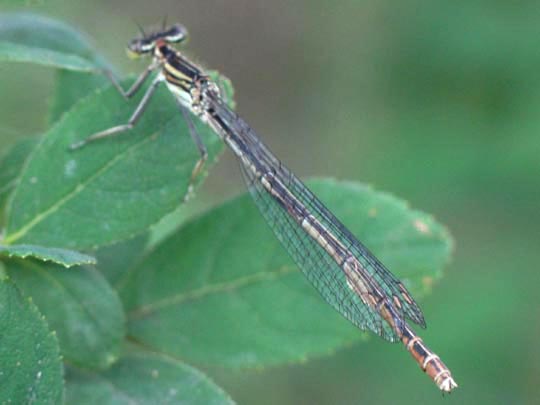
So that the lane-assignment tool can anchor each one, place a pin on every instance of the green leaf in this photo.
(143, 379)
(79, 305)
(36, 39)
(223, 291)
(64, 257)
(111, 189)
(70, 87)
(115, 260)
(170, 223)
(31, 38)
(11, 165)
(30, 367)
(10, 52)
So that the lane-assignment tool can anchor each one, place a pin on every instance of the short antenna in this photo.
(141, 29)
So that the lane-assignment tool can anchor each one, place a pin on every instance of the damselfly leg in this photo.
(136, 85)
(116, 130)
(201, 147)
(139, 111)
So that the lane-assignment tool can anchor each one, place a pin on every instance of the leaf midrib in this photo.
(80, 187)
(206, 290)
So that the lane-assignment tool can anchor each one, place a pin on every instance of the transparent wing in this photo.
(393, 288)
(317, 265)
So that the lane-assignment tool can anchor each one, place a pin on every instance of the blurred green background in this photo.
(437, 102)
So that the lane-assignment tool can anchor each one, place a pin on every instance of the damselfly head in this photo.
(146, 43)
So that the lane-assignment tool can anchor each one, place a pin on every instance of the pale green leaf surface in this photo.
(79, 305)
(171, 222)
(30, 367)
(140, 378)
(223, 291)
(71, 86)
(11, 164)
(10, 52)
(64, 257)
(32, 38)
(115, 260)
(112, 189)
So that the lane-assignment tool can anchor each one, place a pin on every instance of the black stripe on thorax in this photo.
(177, 66)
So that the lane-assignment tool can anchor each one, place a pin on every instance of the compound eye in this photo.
(138, 47)
(133, 49)
(177, 33)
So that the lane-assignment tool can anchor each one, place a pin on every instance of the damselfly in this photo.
(347, 275)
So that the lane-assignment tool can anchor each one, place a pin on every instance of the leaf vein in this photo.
(192, 295)
(23, 230)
